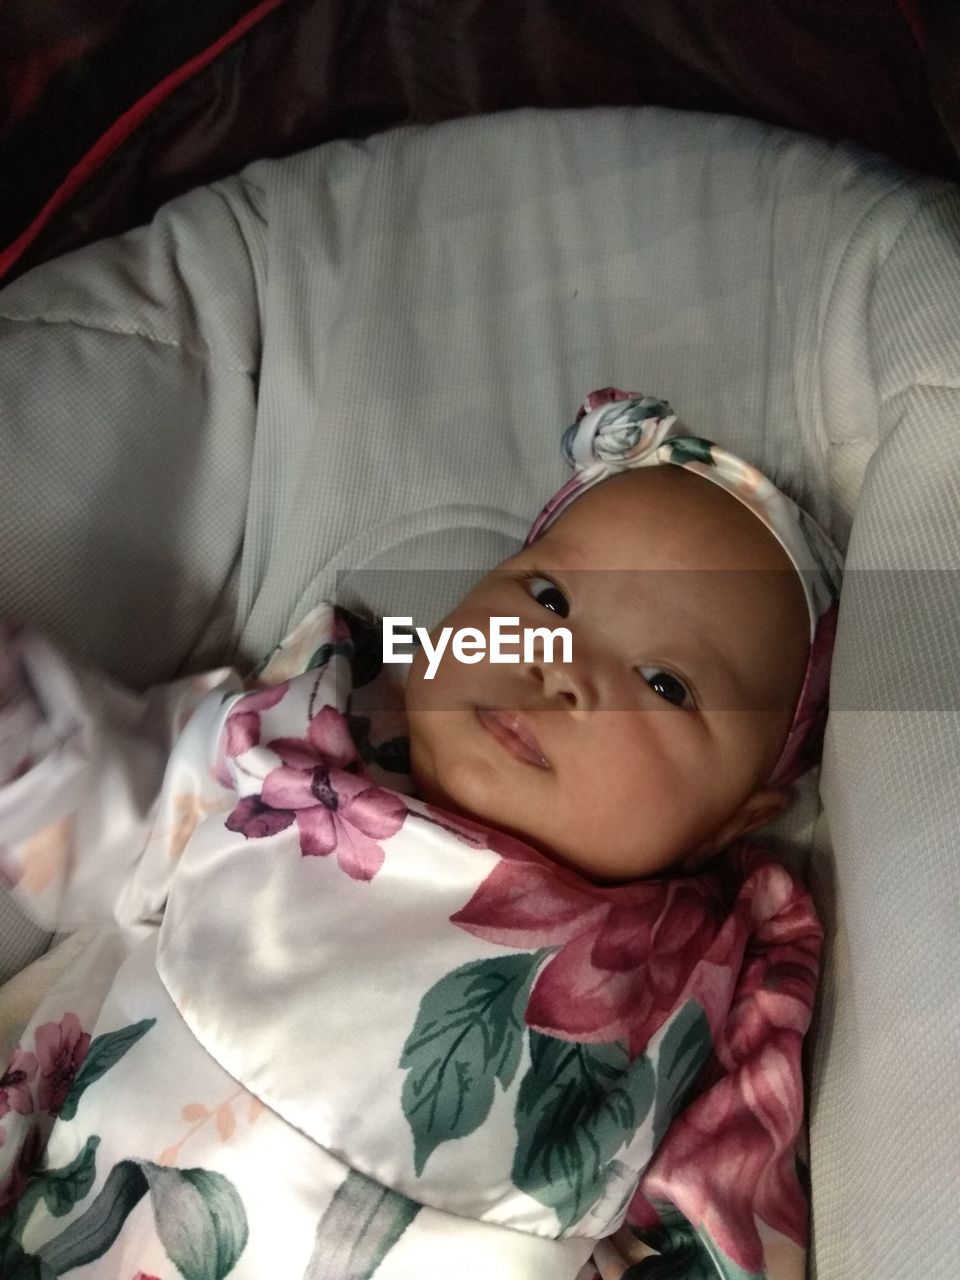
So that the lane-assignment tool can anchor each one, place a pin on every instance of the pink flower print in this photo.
(61, 1048)
(334, 809)
(328, 743)
(15, 1094)
(242, 729)
(738, 1134)
(479, 836)
(741, 1132)
(779, 947)
(143, 1275)
(624, 954)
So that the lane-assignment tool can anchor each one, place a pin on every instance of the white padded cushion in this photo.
(360, 358)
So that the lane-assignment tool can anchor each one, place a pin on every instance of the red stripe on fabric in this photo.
(124, 125)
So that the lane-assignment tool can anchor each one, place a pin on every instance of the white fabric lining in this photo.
(424, 312)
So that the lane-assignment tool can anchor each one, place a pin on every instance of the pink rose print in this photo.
(624, 954)
(741, 1131)
(61, 1048)
(15, 1092)
(334, 809)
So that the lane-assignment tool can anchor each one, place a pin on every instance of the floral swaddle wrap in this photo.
(337, 1033)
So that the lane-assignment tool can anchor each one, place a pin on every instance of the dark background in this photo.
(110, 107)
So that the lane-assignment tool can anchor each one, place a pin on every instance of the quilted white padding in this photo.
(359, 359)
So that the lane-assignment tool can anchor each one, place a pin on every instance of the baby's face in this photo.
(650, 746)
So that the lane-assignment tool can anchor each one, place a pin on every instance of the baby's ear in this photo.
(762, 807)
(755, 811)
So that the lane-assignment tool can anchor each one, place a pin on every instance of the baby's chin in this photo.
(581, 865)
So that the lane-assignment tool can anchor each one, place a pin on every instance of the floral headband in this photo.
(620, 430)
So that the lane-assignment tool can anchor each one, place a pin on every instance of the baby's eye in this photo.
(666, 686)
(548, 594)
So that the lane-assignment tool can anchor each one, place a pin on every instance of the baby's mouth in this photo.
(514, 734)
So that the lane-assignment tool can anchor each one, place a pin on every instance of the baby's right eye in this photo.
(548, 594)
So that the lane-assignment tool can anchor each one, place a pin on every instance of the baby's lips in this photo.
(515, 733)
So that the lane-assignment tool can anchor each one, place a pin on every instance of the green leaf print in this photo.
(62, 1188)
(393, 756)
(684, 1254)
(468, 1033)
(6, 1235)
(320, 657)
(362, 1223)
(91, 1235)
(576, 1107)
(684, 1049)
(18, 1265)
(198, 1214)
(14, 1263)
(200, 1220)
(367, 660)
(690, 449)
(104, 1052)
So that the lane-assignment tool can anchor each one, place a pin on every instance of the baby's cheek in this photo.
(611, 763)
(441, 691)
(464, 777)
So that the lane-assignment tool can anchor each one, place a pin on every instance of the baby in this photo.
(524, 1002)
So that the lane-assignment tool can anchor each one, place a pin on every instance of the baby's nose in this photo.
(568, 683)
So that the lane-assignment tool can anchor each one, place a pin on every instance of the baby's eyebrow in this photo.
(704, 648)
(693, 656)
(567, 550)
(733, 676)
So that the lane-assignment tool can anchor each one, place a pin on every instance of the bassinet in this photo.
(355, 360)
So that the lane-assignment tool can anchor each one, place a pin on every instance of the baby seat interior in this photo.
(346, 372)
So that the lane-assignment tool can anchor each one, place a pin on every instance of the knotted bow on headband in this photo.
(619, 430)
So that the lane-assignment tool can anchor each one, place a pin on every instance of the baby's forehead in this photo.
(681, 561)
(665, 517)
